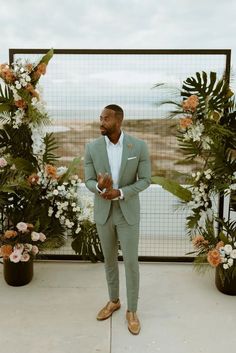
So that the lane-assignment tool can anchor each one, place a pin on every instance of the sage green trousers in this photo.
(117, 229)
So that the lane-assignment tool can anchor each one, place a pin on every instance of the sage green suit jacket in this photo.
(135, 176)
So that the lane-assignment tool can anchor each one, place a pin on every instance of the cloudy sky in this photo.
(149, 24)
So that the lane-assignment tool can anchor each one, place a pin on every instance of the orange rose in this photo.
(6, 251)
(200, 241)
(10, 234)
(20, 104)
(30, 226)
(31, 89)
(29, 67)
(191, 103)
(51, 171)
(219, 245)
(33, 179)
(213, 257)
(185, 122)
(42, 68)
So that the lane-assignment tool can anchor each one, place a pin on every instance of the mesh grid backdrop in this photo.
(78, 86)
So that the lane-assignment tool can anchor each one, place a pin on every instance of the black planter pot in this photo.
(18, 274)
(224, 284)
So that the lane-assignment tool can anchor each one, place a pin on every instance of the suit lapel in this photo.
(125, 154)
(102, 153)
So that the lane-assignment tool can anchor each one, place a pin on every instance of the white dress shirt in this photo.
(114, 153)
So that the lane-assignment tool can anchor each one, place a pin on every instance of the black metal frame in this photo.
(226, 52)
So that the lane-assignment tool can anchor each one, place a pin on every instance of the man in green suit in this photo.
(117, 168)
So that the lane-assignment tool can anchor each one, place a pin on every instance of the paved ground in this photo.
(180, 312)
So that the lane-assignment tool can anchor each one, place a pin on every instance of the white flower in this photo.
(22, 227)
(34, 250)
(228, 249)
(42, 237)
(61, 171)
(50, 211)
(3, 162)
(230, 262)
(35, 236)
(25, 257)
(55, 192)
(28, 247)
(18, 85)
(233, 254)
(15, 256)
(225, 266)
(19, 248)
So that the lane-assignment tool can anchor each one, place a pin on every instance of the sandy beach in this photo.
(160, 135)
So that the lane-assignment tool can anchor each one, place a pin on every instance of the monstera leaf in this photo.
(213, 95)
(173, 187)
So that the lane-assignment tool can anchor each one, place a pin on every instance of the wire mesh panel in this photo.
(79, 83)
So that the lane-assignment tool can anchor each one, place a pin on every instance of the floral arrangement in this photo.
(207, 135)
(33, 190)
(21, 244)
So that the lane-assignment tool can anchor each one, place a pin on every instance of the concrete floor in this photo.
(180, 312)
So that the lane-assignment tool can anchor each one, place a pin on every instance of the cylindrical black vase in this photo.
(18, 274)
(224, 284)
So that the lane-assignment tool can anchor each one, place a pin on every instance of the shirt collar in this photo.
(119, 143)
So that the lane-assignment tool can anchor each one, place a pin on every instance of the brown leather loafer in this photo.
(108, 310)
(133, 322)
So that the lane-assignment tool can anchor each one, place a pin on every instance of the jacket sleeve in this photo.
(89, 171)
(143, 175)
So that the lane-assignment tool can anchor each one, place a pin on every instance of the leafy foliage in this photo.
(87, 243)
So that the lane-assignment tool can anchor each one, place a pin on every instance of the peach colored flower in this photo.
(30, 226)
(219, 245)
(6, 73)
(34, 250)
(33, 179)
(51, 171)
(200, 241)
(185, 122)
(6, 251)
(31, 89)
(29, 67)
(191, 103)
(10, 234)
(20, 104)
(35, 75)
(213, 257)
(42, 68)
(25, 257)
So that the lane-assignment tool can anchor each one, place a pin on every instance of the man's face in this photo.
(109, 124)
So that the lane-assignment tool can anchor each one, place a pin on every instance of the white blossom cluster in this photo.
(200, 196)
(228, 255)
(194, 132)
(38, 145)
(22, 72)
(68, 202)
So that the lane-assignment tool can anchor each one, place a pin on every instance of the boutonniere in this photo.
(129, 145)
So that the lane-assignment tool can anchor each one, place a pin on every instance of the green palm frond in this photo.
(50, 146)
(17, 142)
(72, 169)
(87, 243)
(173, 187)
(6, 95)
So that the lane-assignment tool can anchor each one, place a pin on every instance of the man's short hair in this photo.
(119, 113)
